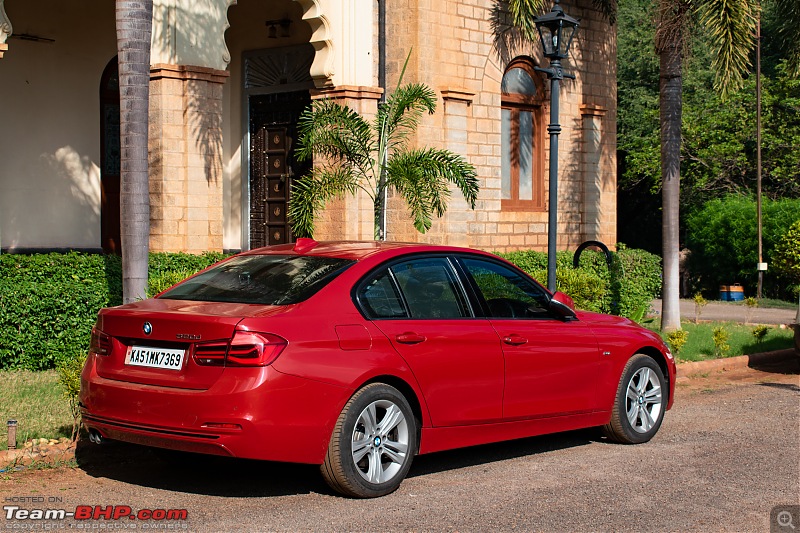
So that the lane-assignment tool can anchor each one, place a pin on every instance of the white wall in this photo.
(50, 123)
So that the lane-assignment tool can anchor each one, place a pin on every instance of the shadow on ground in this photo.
(224, 476)
(783, 362)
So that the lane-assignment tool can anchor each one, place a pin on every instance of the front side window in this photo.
(261, 279)
(506, 292)
(522, 138)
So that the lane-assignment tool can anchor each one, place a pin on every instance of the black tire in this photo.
(361, 478)
(636, 419)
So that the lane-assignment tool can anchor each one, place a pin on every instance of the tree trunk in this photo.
(134, 28)
(670, 108)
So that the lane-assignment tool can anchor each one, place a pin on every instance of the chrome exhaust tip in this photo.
(95, 437)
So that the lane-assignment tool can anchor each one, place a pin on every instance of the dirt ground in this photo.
(726, 455)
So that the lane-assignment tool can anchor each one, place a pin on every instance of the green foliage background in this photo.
(723, 239)
(718, 153)
(49, 302)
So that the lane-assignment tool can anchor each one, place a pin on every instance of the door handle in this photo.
(410, 337)
(514, 340)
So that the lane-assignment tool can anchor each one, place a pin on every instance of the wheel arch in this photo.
(408, 392)
(661, 361)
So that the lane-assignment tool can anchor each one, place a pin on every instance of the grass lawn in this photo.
(35, 400)
(700, 343)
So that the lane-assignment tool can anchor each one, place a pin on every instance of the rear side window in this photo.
(261, 279)
(422, 288)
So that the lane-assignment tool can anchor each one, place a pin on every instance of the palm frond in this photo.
(523, 13)
(422, 178)
(311, 192)
(608, 8)
(402, 112)
(731, 24)
(788, 33)
(335, 132)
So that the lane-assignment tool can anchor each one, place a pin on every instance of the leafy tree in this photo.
(134, 21)
(353, 155)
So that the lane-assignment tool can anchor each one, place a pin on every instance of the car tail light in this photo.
(254, 349)
(212, 354)
(246, 349)
(100, 343)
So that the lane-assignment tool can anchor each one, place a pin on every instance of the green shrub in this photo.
(723, 241)
(720, 336)
(786, 256)
(586, 289)
(676, 340)
(162, 281)
(759, 332)
(631, 283)
(69, 377)
(49, 302)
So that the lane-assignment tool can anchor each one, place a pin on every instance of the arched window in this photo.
(522, 162)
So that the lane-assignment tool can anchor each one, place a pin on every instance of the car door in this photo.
(420, 305)
(551, 364)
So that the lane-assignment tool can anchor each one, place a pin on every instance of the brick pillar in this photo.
(185, 158)
(349, 218)
(593, 189)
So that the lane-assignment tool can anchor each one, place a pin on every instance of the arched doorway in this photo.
(109, 159)
(276, 86)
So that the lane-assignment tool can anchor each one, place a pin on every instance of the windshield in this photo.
(261, 279)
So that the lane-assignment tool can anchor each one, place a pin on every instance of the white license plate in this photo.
(168, 358)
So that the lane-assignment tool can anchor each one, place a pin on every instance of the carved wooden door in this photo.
(273, 166)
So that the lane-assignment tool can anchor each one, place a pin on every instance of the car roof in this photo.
(353, 250)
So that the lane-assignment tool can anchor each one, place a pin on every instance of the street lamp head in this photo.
(556, 30)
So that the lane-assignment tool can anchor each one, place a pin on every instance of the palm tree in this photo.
(731, 24)
(353, 155)
(134, 26)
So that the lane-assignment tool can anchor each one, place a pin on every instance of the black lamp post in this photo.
(556, 30)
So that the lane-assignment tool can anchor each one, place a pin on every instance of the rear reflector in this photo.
(100, 343)
(246, 349)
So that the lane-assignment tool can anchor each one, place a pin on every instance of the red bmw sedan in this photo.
(359, 356)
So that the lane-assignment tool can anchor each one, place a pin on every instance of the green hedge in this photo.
(49, 302)
(626, 288)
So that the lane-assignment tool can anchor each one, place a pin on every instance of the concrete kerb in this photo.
(686, 370)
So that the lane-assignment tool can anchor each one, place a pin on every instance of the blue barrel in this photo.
(731, 293)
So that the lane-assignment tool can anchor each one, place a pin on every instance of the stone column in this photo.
(185, 158)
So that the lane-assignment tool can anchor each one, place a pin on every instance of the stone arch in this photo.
(313, 14)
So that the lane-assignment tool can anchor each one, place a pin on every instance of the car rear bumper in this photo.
(254, 413)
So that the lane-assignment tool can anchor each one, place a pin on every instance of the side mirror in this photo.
(562, 306)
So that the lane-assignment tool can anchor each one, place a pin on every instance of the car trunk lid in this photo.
(154, 342)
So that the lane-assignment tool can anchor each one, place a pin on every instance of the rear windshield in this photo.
(261, 279)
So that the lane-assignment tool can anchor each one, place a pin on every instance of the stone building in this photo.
(228, 81)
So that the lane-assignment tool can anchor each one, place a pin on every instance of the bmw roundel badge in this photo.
(147, 328)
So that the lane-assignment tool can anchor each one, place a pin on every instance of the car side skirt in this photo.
(447, 438)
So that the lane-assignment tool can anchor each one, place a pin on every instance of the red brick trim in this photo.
(348, 91)
(188, 72)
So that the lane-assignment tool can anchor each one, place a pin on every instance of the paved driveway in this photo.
(734, 312)
(727, 454)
